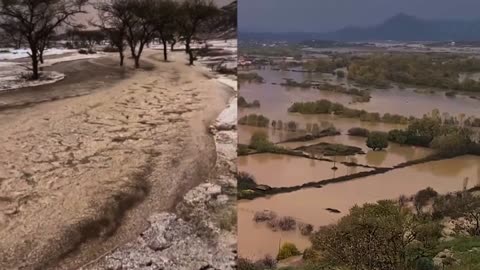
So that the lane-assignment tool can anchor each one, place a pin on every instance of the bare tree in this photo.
(164, 22)
(36, 21)
(192, 14)
(135, 16)
(12, 34)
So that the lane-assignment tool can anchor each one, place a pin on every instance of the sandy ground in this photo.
(71, 168)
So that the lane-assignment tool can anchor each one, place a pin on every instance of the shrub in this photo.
(305, 229)
(265, 215)
(287, 223)
(245, 264)
(259, 141)
(287, 250)
(424, 264)
(377, 140)
(357, 131)
(242, 150)
(398, 136)
(340, 74)
(422, 198)
(254, 120)
(451, 144)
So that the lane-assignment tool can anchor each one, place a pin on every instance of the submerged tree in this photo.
(36, 20)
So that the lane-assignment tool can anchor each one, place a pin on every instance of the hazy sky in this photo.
(328, 15)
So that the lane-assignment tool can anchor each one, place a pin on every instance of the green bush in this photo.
(357, 131)
(424, 264)
(287, 250)
(398, 136)
(256, 120)
(377, 140)
(259, 141)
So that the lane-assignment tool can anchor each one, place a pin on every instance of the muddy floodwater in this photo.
(275, 99)
(308, 205)
(284, 170)
(393, 155)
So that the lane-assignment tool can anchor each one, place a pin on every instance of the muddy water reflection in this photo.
(284, 171)
(308, 205)
(393, 155)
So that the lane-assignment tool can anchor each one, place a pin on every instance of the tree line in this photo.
(127, 24)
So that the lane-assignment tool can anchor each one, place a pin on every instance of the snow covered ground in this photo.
(228, 118)
(14, 75)
(22, 53)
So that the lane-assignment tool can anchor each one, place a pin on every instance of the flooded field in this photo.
(284, 170)
(308, 205)
(393, 155)
(275, 99)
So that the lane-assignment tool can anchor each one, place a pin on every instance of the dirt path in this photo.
(70, 169)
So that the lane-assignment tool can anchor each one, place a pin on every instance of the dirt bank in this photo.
(69, 169)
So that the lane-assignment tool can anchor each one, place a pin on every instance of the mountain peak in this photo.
(401, 18)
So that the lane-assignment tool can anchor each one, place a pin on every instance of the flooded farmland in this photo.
(409, 101)
(392, 170)
(308, 205)
(291, 170)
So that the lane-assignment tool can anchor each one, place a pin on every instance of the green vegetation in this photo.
(377, 140)
(340, 74)
(256, 120)
(250, 77)
(327, 107)
(271, 51)
(390, 235)
(329, 149)
(436, 71)
(359, 95)
(259, 141)
(243, 103)
(357, 131)
(287, 250)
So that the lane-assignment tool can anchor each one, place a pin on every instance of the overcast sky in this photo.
(328, 15)
(84, 18)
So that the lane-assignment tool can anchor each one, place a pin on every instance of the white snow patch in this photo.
(228, 81)
(22, 53)
(13, 75)
(14, 80)
(228, 118)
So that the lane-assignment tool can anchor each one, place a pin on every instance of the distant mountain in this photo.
(401, 27)
(404, 27)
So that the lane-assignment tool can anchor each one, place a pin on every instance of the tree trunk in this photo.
(40, 56)
(165, 53)
(187, 46)
(172, 45)
(191, 57)
(122, 57)
(35, 75)
(137, 61)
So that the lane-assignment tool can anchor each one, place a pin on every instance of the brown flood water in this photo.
(275, 99)
(308, 205)
(393, 155)
(290, 170)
